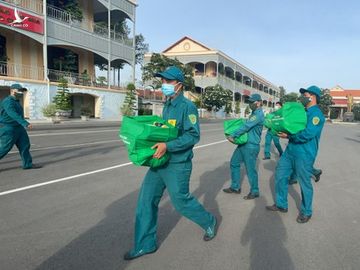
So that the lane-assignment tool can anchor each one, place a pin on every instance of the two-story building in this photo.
(212, 66)
(41, 43)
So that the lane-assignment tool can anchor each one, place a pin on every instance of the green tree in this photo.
(159, 63)
(62, 98)
(325, 101)
(140, 49)
(71, 6)
(356, 111)
(247, 110)
(282, 91)
(128, 108)
(237, 107)
(289, 97)
(216, 97)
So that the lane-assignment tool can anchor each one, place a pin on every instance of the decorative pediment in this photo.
(186, 45)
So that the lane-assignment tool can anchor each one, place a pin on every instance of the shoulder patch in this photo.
(172, 122)
(192, 118)
(253, 118)
(315, 120)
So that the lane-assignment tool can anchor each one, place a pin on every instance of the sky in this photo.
(291, 43)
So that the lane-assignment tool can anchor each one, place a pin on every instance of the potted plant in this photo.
(49, 111)
(85, 112)
(62, 101)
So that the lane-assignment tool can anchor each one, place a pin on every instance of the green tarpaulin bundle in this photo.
(291, 119)
(230, 126)
(140, 133)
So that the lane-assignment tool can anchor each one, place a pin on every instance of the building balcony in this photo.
(21, 71)
(64, 30)
(25, 72)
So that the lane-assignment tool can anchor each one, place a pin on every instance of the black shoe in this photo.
(131, 255)
(265, 158)
(293, 182)
(210, 232)
(231, 190)
(33, 167)
(251, 196)
(275, 208)
(302, 218)
(317, 176)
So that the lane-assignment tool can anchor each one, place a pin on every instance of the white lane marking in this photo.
(69, 146)
(72, 133)
(89, 131)
(87, 173)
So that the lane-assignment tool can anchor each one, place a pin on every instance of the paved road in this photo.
(77, 212)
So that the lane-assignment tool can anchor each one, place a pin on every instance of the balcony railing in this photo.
(21, 71)
(87, 25)
(33, 5)
(77, 79)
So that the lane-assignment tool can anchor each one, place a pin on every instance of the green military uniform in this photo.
(174, 175)
(298, 159)
(247, 153)
(12, 130)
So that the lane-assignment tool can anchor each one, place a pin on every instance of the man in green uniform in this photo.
(175, 175)
(271, 137)
(248, 153)
(299, 157)
(12, 127)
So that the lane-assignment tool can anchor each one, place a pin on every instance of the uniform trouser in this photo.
(175, 177)
(268, 138)
(302, 166)
(293, 177)
(15, 135)
(247, 154)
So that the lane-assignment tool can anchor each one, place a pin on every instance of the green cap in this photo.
(18, 86)
(255, 97)
(171, 73)
(311, 89)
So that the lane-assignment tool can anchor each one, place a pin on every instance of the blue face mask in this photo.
(168, 89)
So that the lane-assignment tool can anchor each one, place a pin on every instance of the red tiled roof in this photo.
(344, 93)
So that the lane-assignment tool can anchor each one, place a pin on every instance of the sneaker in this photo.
(251, 196)
(276, 208)
(211, 231)
(130, 255)
(33, 167)
(302, 218)
(317, 176)
(231, 190)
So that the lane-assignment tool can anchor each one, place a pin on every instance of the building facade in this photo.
(211, 67)
(41, 43)
(342, 98)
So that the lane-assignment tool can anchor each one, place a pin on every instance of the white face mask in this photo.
(277, 107)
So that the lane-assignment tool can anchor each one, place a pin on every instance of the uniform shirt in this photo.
(253, 126)
(307, 140)
(182, 113)
(11, 112)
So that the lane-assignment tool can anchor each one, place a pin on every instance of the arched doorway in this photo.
(81, 102)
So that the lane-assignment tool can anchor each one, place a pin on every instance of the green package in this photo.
(230, 126)
(140, 133)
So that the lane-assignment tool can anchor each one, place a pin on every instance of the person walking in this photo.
(174, 175)
(247, 153)
(13, 127)
(299, 157)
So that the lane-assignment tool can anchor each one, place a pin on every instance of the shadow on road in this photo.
(103, 246)
(266, 235)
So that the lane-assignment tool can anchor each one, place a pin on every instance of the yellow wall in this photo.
(24, 51)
